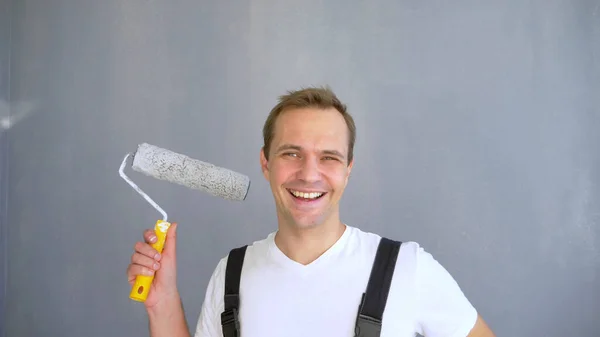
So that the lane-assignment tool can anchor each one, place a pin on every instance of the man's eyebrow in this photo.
(288, 147)
(299, 148)
(334, 153)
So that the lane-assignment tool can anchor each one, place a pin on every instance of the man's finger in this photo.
(149, 236)
(146, 249)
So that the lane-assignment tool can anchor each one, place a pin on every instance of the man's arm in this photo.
(481, 329)
(168, 319)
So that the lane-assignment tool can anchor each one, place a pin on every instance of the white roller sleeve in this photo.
(177, 168)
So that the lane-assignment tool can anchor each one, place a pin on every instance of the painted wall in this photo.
(477, 137)
(5, 21)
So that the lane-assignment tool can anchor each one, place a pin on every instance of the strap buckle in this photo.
(230, 322)
(367, 326)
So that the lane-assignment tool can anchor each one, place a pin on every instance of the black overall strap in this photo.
(370, 314)
(233, 273)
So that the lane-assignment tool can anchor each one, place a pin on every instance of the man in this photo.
(307, 278)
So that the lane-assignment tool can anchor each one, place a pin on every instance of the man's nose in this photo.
(309, 170)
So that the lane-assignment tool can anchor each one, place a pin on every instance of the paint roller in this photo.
(177, 168)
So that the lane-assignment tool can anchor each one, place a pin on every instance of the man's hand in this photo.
(147, 261)
(165, 311)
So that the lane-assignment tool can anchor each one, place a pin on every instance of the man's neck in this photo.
(306, 245)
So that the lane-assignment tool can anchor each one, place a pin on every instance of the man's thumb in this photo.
(171, 240)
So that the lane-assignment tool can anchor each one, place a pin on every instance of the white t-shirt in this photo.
(280, 297)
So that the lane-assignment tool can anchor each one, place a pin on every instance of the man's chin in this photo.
(300, 219)
(307, 221)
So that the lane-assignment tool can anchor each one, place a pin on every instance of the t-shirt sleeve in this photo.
(442, 307)
(209, 320)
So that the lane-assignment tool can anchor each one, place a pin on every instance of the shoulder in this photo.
(441, 308)
(423, 289)
(415, 265)
(252, 251)
(213, 303)
(410, 252)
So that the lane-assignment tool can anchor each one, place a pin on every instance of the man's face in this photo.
(308, 167)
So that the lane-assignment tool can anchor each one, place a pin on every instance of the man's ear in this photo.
(264, 163)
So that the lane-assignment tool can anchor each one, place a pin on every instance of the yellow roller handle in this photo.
(141, 287)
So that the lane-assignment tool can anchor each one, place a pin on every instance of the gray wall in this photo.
(478, 137)
(5, 18)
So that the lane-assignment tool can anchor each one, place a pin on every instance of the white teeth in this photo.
(311, 195)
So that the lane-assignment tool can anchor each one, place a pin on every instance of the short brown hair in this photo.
(318, 97)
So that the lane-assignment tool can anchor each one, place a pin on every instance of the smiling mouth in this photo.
(306, 195)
